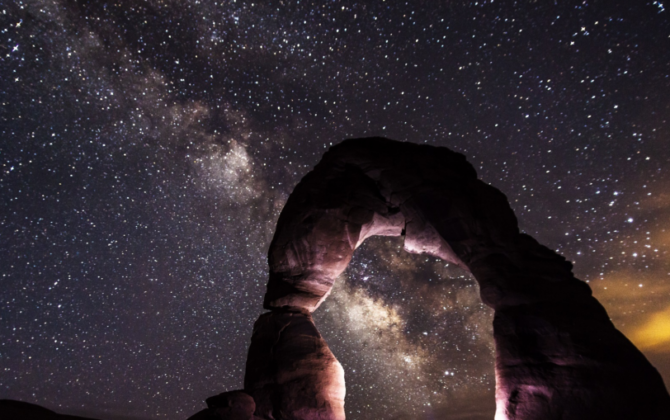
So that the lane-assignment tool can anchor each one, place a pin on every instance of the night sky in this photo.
(147, 148)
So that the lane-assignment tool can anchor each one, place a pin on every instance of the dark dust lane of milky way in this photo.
(147, 148)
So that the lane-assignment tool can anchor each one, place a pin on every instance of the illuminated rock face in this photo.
(558, 356)
(291, 372)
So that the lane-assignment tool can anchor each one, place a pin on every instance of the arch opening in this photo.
(412, 335)
(558, 356)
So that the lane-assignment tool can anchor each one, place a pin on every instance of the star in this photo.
(148, 148)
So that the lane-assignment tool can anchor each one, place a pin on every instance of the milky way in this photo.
(148, 147)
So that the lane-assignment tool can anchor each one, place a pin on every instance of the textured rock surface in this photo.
(291, 372)
(558, 356)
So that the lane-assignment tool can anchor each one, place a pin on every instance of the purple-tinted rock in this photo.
(558, 356)
(291, 372)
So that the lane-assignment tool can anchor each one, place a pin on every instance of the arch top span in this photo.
(558, 355)
(375, 186)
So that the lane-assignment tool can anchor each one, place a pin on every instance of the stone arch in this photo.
(558, 356)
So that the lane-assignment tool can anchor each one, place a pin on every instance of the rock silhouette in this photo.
(558, 355)
(20, 410)
(233, 405)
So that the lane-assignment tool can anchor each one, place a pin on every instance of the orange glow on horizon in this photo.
(654, 334)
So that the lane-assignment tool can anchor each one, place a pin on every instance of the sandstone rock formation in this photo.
(291, 372)
(558, 356)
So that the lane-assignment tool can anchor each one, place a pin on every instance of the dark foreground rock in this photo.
(19, 410)
(233, 405)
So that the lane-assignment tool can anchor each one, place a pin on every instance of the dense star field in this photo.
(147, 148)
